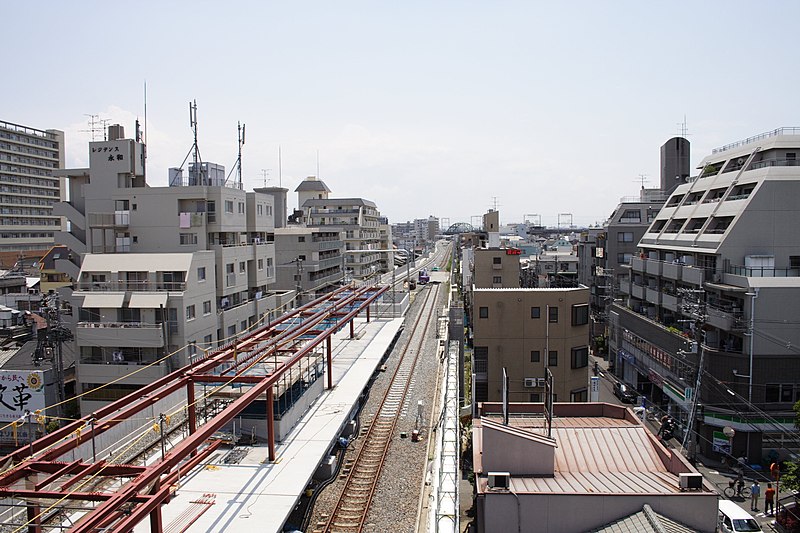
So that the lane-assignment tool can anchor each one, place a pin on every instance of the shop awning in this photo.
(147, 300)
(104, 300)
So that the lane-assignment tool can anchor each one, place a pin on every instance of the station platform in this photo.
(256, 495)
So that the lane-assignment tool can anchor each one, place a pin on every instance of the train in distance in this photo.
(423, 276)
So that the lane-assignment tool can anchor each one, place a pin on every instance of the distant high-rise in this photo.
(674, 164)
(28, 188)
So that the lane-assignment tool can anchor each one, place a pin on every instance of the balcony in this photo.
(653, 296)
(670, 302)
(113, 334)
(693, 275)
(638, 264)
(637, 291)
(117, 219)
(653, 267)
(624, 288)
(671, 271)
(123, 286)
(763, 272)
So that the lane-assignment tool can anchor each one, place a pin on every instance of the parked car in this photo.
(625, 393)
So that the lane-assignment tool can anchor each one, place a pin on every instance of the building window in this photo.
(552, 314)
(229, 268)
(497, 280)
(207, 340)
(483, 312)
(207, 307)
(242, 267)
(261, 264)
(535, 356)
(552, 358)
(535, 397)
(580, 315)
(497, 260)
(260, 209)
(535, 312)
(188, 238)
(580, 357)
(229, 206)
(301, 238)
(192, 348)
(625, 236)
(481, 359)
(779, 393)
(201, 273)
(231, 330)
(580, 395)
(631, 216)
(624, 259)
(241, 208)
(190, 314)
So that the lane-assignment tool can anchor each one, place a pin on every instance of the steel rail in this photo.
(361, 484)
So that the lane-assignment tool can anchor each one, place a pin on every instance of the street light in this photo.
(729, 432)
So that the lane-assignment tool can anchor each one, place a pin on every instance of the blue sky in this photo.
(426, 108)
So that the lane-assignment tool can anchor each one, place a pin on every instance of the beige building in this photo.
(308, 259)
(496, 268)
(527, 331)
(596, 468)
(28, 188)
(165, 270)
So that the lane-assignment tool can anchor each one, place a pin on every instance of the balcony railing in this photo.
(765, 135)
(118, 325)
(139, 286)
(763, 272)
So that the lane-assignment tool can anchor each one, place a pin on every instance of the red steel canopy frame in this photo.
(149, 487)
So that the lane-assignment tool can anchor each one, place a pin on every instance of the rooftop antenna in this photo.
(642, 178)
(265, 174)
(318, 176)
(238, 164)
(280, 168)
(195, 149)
(95, 126)
(683, 129)
(104, 125)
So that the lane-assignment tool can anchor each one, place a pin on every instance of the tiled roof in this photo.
(645, 521)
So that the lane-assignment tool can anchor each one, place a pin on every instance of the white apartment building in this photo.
(308, 260)
(28, 187)
(165, 270)
(359, 219)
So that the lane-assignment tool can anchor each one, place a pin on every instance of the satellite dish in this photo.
(740, 161)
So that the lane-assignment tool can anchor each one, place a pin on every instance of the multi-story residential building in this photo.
(496, 268)
(719, 267)
(28, 186)
(364, 228)
(525, 332)
(309, 260)
(165, 270)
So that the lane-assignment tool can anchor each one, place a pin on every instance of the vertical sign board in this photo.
(20, 391)
(594, 389)
(505, 397)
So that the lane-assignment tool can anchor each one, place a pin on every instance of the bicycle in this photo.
(730, 491)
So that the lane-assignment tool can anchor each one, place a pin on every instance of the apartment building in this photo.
(28, 186)
(496, 268)
(365, 231)
(525, 332)
(309, 260)
(716, 280)
(165, 270)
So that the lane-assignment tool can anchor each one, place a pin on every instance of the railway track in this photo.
(364, 471)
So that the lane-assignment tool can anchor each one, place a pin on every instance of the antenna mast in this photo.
(642, 178)
(241, 128)
(280, 169)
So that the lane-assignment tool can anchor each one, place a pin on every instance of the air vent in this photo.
(690, 481)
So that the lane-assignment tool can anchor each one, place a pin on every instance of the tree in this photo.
(790, 477)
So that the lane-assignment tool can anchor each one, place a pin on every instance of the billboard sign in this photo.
(20, 391)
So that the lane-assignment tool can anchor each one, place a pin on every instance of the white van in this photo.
(734, 519)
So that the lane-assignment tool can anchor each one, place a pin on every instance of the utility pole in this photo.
(49, 345)
(697, 308)
(299, 280)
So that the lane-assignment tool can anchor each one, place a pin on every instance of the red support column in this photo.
(352, 327)
(192, 409)
(368, 305)
(330, 363)
(155, 515)
(270, 424)
(34, 518)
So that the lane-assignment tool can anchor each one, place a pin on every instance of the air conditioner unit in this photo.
(690, 481)
(530, 382)
(499, 480)
(541, 381)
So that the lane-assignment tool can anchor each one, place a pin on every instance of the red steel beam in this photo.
(98, 517)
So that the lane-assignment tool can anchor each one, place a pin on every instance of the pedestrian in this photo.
(769, 500)
(755, 492)
(739, 484)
